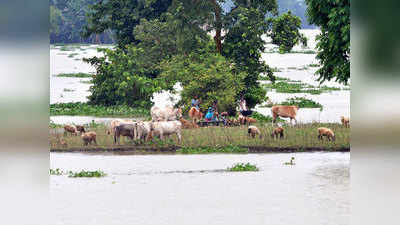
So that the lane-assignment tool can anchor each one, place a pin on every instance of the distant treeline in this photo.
(67, 19)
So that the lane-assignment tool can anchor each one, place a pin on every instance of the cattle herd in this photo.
(168, 121)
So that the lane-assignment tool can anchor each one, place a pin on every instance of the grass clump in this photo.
(56, 172)
(97, 173)
(85, 109)
(302, 102)
(240, 167)
(77, 75)
(217, 149)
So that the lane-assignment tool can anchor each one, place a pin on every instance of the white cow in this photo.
(166, 128)
(142, 130)
(115, 123)
(168, 113)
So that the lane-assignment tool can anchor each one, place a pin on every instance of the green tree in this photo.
(122, 79)
(285, 32)
(55, 19)
(245, 24)
(333, 18)
(121, 16)
(210, 76)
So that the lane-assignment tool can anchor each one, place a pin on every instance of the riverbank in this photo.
(299, 138)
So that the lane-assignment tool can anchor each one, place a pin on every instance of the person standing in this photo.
(196, 102)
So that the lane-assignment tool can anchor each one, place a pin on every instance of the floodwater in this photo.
(335, 103)
(195, 189)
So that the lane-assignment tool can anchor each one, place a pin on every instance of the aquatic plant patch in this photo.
(83, 173)
(241, 167)
(77, 75)
(302, 103)
(68, 90)
(56, 172)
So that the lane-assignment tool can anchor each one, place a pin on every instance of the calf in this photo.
(71, 129)
(286, 111)
(250, 120)
(124, 129)
(253, 131)
(89, 137)
(323, 131)
(278, 131)
(187, 124)
(195, 114)
(345, 121)
(166, 128)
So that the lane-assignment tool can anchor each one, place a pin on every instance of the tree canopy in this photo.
(333, 17)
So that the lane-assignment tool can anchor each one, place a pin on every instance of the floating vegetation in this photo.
(72, 55)
(82, 173)
(313, 65)
(56, 172)
(290, 163)
(302, 102)
(85, 109)
(77, 75)
(240, 167)
(290, 86)
(68, 90)
(86, 81)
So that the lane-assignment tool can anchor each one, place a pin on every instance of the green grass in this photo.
(83, 173)
(85, 109)
(77, 75)
(86, 81)
(56, 172)
(241, 167)
(68, 90)
(313, 65)
(222, 139)
(302, 103)
(72, 55)
(286, 85)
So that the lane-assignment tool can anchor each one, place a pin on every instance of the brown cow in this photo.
(284, 111)
(345, 121)
(80, 128)
(71, 129)
(195, 114)
(187, 124)
(323, 131)
(250, 120)
(88, 137)
(278, 131)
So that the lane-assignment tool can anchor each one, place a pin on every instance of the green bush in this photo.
(285, 32)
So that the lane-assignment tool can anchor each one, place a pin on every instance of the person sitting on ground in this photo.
(211, 115)
(196, 102)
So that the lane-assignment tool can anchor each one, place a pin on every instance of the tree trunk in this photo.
(218, 27)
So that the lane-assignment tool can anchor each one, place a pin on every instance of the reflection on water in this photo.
(195, 189)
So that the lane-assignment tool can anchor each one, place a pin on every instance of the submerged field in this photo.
(216, 139)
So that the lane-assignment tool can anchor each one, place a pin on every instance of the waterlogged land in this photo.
(302, 137)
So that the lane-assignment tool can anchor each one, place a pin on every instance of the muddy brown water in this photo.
(196, 189)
